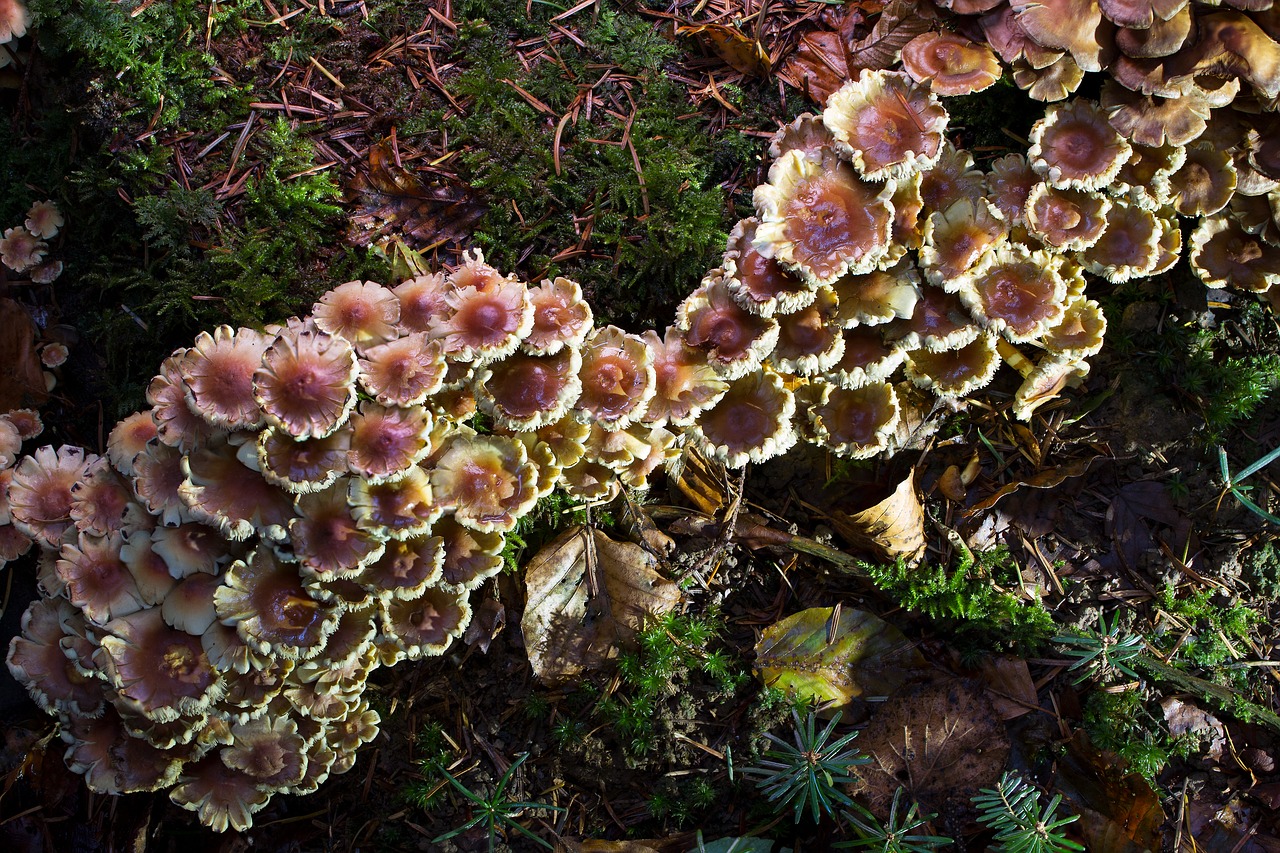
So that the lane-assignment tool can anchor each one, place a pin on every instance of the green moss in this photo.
(1214, 631)
(1121, 723)
(1262, 570)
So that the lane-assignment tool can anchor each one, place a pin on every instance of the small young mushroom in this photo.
(364, 313)
(751, 423)
(40, 494)
(950, 63)
(955, 373)
(888, 125)
(1066, 220)
(809, 341)
(128, 438)
(44, 219)
(686, 383)
(20, 250)
(758, 283)
(855, 423)
(1205, 182)
(401, 509)
(1074, 147)
(561, 317)
(302, 466)
(485, 324)
(955, 238)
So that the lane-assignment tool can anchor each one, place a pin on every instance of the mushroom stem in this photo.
(1014, 358)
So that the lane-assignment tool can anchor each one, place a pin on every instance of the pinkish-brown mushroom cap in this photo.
(306, 384)
(950, 63)
(363, 312)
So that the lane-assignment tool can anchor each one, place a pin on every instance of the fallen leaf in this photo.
(587, 595)
(827, 657)
(899, 23)
(392, 199)
(942, 742)
(892, 529)
(1118, 810)
(739, 51)
(1046, 479)
(1127, 516)
(701, 481)
(1009, 685)
(487, 622)
(22, 380)
(1183, 718)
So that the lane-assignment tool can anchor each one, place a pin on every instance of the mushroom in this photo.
(189, 605)
(306, 384)
(954, 239)
(266, 602)
(20, 250)
(1129, 248)
(618, 378)
(162, 671)
(422, 302)
(1008, 184)
(54, 354)
(1205, 181)
(1016, 292)
(421, 627)
(14, 19)
(951, 179)
(1144, 179)
(758, 283)
(886, 124)
(1163, 37)
(268, 749)
(955, 373)
(685, 381)
(128, 438)
(302, 466)
(1075, 147)
(561, 317)
(1054, 82)
(735, 340)
(218, 372)
(877, 297)
(1076, 26)
(806, 133)
(950, 63)
(867, 358)
(325, 538)
(386, 441)
(26, 421)
(1045, 382)
(1223, 255)
(221, 796)
(399, 509)
(157, 478)
(524, 392)
(751, 423)
(177, 425)
(940, 322)
(487, 481)
(485, 324)
(855, 423)
(220, 489)
(364, 313)
(1079, 333)
(820, 219)
(40, 493)
(408, 566)
(1066, 220)
(112, 761)
(809, 340)
(100, 500)
(37, 662)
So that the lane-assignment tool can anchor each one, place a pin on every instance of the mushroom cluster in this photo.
(300, 506)
(1191, 86)
(24, 248)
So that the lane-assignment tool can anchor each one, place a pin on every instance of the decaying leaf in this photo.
(22, 379)
(1130, 510)
(899, 23)
(1118, 810)
(892, 529)
(1009, 685)
(739, 51)
(586, 596)
(393, 199)
(835, 655)
(1047, 479)
(489, 618)
(701, 481)
(942, 742)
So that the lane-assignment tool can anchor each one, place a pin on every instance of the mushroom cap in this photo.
(128, 438)
(955, 238)
(306, 385)
(877, 297)
(1075, 147)
(149, 570)
(20, 250)
(157, 477)
(866, 359)
(1066, 220)
(218, 372)
(759, 284)
(1205, 182)
(855, 423)
(590, 481)
(952, 178)
(1051, 375)
(189, 605)
(40, 493)
(1080, 332)
(524, 392)
(618, 378)
(958, 372)
(269, 749)
(326, 538)
(399, 509)
(54, 354)
(1076, 26)
(26, 421)
(100, 500)
(302, 466)
(751, 423)
(485, 324)
(163, 672)
(1016, 292)
(1229, 44)
(113, 762)
(950, 63)
(409, 566)
(1163, 37)
(888, 125)
(44, 219)
(1223, 255)
(405, 371)
(1010, 40)
(659, 448)
(470, 557)
(734, 339)
(221, 797)
(809, 341)
(268, 605)
(685, 381)
(565, 439)
(36, 660)
(422, 302)
(562, 317)
(425, 626)
(807, 133)
(820, 219)
(387, 441)
(176, 424)
(363, 312)
(487, 481)
(940, 322)
(219, 488)
(1008, 184)
(1144, 179)
(1054, 82)
(1129, 248)
(1170, 245)
(1140, 14)
(908, 203)
(96, 579)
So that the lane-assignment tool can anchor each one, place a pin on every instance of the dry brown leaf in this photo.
(1046, 479)
(942, 742)
(392, 199)
(22, 379)
(899, 23)
(587, 595)
(893, 529)
(1118, 810)
(739, 51)
(1009, 685)
(489, 618)
(702, 481)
